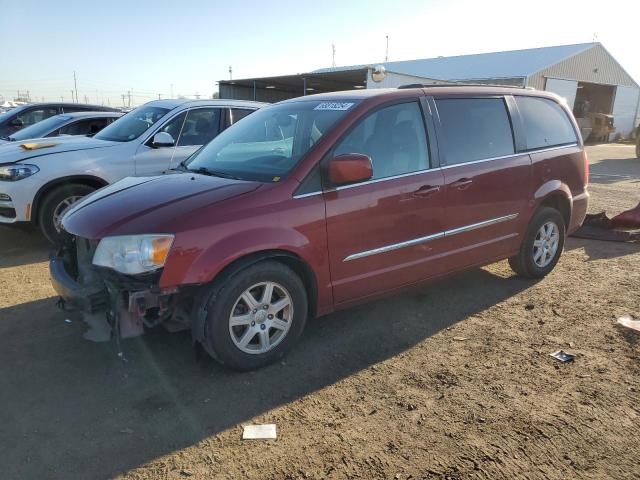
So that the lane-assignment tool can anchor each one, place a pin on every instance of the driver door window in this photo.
(174, 126)
(393, 137)
(202, 126)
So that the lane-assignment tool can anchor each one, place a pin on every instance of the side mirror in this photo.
(163, 139)
(350, 168)
(16, 122)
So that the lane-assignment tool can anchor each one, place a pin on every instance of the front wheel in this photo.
(255, 316)
(53, 206)
(542, 244)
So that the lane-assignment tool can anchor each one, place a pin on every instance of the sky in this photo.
(160, 47)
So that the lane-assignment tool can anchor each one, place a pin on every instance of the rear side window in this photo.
(393, 137)
(475, 129)
(546, 124)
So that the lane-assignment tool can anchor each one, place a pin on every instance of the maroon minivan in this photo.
(322, 202)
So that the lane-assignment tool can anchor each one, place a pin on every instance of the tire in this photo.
(525, 262)
(53, 205)
(226, 298)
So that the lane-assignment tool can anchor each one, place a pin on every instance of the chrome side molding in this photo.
(428, 238)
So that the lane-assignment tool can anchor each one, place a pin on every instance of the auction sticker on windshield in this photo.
(340, 106)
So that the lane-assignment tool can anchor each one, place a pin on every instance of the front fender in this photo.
(192, 265)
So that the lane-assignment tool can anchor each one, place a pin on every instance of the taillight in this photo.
(586, 168)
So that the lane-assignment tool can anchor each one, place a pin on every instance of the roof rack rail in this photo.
(427, 85)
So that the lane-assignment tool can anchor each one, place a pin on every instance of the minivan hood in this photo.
(148, 204)
(12, 152)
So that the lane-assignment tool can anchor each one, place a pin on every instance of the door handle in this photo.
(462, 184)
(426, 190)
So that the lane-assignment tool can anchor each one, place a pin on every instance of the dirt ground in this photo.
(453, 380)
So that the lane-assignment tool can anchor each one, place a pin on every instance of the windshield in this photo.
(132, 125)
(41, 129)
(266, 145)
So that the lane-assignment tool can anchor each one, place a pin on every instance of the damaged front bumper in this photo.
(125, 305)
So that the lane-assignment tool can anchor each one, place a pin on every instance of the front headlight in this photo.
(133, 254)
(18, 171)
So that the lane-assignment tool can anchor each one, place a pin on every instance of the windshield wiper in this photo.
(212, 173)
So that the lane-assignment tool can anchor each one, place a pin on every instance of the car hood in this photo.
(12, 152)
(148, 204)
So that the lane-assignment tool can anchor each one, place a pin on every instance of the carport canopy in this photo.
(272, 89)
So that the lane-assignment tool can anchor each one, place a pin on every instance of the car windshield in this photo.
(266, 145)
(132, 125)
(41, 129)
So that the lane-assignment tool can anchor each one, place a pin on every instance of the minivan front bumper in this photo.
(127, 304)
(85, 298)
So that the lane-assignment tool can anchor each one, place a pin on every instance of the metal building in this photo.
(586, 74)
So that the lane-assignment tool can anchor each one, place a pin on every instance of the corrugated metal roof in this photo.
(514, 63)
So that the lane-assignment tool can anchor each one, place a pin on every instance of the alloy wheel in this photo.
(545, 245)
(261, 318)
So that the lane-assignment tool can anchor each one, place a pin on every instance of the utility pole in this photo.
(72, 96)
(159, 96)
(129, 92)
(62, 98)
(230, 73)
(75, 85)
(386, 55)
(123, 96)
(86, 99)
(333, 58)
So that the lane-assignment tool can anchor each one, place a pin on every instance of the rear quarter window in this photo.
(474, 129)
(545, 122)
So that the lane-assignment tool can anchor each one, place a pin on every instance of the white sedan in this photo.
(40, 178)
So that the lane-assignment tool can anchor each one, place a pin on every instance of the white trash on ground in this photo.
(627, 321)
(563, 356)
(259, 432)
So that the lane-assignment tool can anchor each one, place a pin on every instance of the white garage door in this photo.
(625, 106)
(565, 88)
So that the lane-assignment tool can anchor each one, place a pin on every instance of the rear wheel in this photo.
(53, 206)
(255, 316)
(542, 244)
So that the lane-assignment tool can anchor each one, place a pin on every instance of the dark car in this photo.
(319, 203)
(78, 123)
(27, 115)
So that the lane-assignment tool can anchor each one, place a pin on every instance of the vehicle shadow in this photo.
(22, 245)
(602, 250)
(71, 409)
